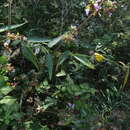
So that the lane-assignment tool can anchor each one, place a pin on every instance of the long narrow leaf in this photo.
(55, 41)
(29, 55)
(49, 63)
(63, 57)
(38, 40)
(84, 61)
(126, 77)
(10, 27)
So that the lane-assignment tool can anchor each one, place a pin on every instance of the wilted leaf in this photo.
(49, 63)
(29, 55)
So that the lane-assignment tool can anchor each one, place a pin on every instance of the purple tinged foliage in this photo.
(97, 6)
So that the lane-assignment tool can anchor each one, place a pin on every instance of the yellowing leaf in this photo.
(99, 57)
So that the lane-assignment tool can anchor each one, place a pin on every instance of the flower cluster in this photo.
(12, 36)
(107, 6)
(93, 6)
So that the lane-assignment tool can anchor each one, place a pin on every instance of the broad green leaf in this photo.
(84, 61)
(29, 55)
(3, 60)
(3, 80)
(49, 63)
(38, 40)
(8, 100)
(10, 27)
(55, 41)
(5, 90)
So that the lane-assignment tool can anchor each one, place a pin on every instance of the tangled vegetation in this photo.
(64, 64)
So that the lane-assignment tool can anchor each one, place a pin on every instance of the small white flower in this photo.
(87, 11)
(73, 27)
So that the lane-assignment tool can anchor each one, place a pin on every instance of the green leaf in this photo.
(63, 57)
(5, 90)
(83, 59)
(55, 41)
(10, 27)
(8, 100)
(29, 55)
(127, 16)
(3, 60)
(38, 40)
(61, 73)
(3, 80)
(16, 42)
(49, 63)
